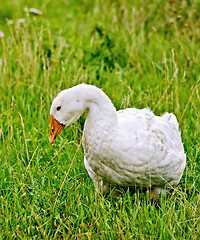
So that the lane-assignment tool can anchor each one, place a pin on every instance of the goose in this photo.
(126, 149)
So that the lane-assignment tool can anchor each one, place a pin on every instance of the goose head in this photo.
(66, 108)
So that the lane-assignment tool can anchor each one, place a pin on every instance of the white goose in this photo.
(127, 148)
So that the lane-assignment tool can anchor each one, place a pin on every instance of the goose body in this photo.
(127, 148)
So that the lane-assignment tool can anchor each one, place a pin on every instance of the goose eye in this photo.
(58, 108)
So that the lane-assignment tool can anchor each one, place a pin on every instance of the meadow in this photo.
(142, 54)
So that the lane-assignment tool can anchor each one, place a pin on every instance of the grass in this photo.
(141, 54)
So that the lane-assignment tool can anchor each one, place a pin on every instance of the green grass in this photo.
(141, 53)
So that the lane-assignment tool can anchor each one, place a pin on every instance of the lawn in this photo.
(142, 54)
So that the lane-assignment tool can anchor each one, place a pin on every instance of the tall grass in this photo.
(142, 54)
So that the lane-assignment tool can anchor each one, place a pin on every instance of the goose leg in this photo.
(156, 191)
(105, 189)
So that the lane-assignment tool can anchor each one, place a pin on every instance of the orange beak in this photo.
(55, 129)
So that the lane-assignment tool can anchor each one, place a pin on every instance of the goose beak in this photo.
(55, 129)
